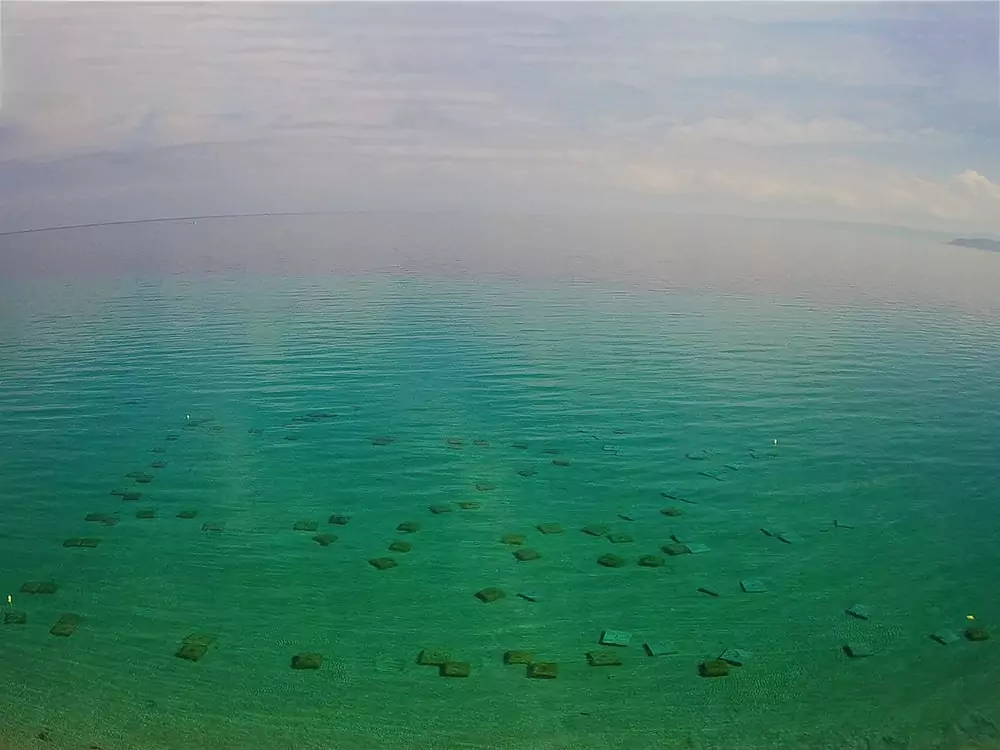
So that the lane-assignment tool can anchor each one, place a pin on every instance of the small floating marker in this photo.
(967, 617)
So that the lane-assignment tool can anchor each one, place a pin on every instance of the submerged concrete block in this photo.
(305, 526)
(383, 563)
(307, 661)
(612, 561)
(543, 670)
(66, 625)
(454, 669)
(527, 555)
(603, 657)
(490, 594)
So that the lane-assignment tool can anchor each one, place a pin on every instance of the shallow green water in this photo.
(886, 421)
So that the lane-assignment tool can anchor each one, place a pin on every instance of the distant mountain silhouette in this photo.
(979, 243)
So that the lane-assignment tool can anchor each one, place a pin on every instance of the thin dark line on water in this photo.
(166, 219)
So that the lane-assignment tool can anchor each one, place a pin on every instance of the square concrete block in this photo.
(530, 596)
(708, 591)
(713, 668)
(753, 586)
(652, 561)
(145, 513)
(439, 509)
(526, 473)
(512, 539)
(383, 563)
(131, 497)
(550, 528)
(324, 540)
(595, 529)
(15, 618)
(736, 656)
(214, 526)
(305, 526)
(307, 661)
(543, 670)
(615, 638)
(526, 555)
(518, 657)
(455, 669)
(620, 538)
(66, 625)
(790, 537)
(469, 505)
(485, 487)
(408, 527)
(104, 518)
(561, 462)
(672, 511)
(612, 561)
(659, 648)
(188, 514)
(977, 634)
(432, 657)
(696, 548)
(490, 594)
(339, 520)
(603, 657)
(399, 546)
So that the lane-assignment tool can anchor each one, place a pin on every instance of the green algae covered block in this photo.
(490, 594)
(543, 670)
(615, 638)
(399, 546)
(512, 539)
(325, 540)
(383, 563)
(858, 649)
(441, 508)
(713, 668)
(518, 657)
(470, 504)
(408, 527)
(431, 657)
(676, 549)
(145, 513)
(603, 657)
(526, 555)
(339, 520)
(305, 526)
(191, 651)
(561, 462)
(595, 529)
(612, 561)
(15, 618)
(307, 661)
(550, 528)
(652, 561)
(753, 586)
(39, 587)
(66, 625)
(455, 669)
(187, 514)
(977, 634)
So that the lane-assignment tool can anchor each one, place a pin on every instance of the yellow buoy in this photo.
(9, 600)
(970, 617)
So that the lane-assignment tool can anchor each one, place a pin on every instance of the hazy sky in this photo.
(884, 112)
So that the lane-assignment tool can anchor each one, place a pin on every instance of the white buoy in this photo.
(776, 441)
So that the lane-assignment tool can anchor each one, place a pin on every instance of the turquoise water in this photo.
(885, 420)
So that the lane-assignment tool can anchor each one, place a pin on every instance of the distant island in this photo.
(979, 243)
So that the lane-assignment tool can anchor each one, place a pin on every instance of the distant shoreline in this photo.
(977, 243)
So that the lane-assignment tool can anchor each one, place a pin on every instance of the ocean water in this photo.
(866, 434)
